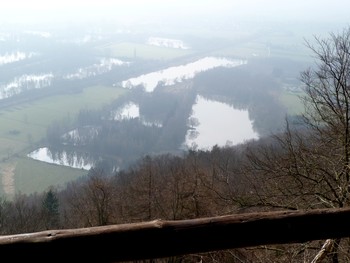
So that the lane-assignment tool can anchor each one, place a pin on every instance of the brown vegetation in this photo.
(306, 167)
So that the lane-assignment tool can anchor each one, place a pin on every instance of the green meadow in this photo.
(23, 127)
(292, 101)
(142, 51)
(32, 176)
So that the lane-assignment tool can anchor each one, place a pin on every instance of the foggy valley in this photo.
(124, 89)
(218, 77)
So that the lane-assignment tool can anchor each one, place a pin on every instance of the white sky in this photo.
(60, 10)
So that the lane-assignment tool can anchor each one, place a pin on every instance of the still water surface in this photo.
(218, 124)
(44, 154)
(172, 75)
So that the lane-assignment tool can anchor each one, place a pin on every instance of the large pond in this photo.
(215, 123)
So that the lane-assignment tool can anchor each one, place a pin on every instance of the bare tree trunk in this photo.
(335, 254)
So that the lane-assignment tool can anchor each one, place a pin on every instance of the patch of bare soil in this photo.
(7, 173)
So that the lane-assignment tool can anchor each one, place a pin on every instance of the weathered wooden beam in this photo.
(158, 239)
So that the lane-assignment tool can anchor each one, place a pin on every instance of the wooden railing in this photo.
(158, 238)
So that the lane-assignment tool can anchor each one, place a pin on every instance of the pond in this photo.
(45, 155)
(105, 65)
(25, 82)
(172, 75)
(215, 123)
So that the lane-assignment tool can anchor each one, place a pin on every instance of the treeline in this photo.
(196, 184)
(161, 127)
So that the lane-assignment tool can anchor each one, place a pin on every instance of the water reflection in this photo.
(129, 111)
(14, 57)
(80, 136)
(105, 65)
(166, 42)
(216, 123)
(25, 82)
(37, 81)
(132, 111)
(60, 158)
(173, 75)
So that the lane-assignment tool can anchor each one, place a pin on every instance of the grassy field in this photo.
(137, 50)
(292, 102)
(34, 176)
(24, 126)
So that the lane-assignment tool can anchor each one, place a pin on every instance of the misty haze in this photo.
(196, 74)
(108, 87)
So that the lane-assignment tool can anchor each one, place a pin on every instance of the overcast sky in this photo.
(26, 11)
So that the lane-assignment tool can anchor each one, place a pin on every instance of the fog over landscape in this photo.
(104, 83)
(137, 10)
(155, 111)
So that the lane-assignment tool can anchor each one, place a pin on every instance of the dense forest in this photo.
(303, 166)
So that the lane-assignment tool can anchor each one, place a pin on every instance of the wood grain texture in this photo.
(158, 238)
